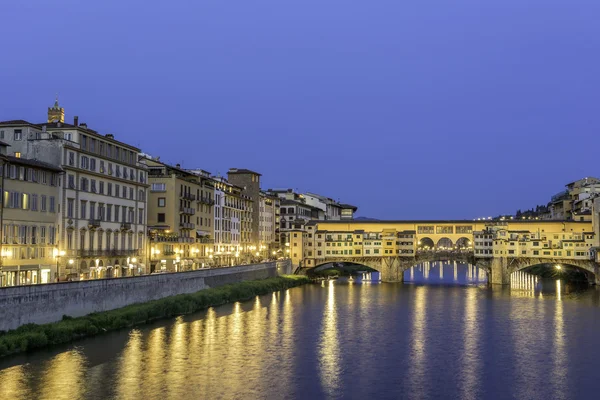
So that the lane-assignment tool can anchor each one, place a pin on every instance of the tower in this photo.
(56, 113)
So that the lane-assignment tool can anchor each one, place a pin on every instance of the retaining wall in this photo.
(41, 304)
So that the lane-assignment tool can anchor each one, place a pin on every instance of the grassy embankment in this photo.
(32, 336)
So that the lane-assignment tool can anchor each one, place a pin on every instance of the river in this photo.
(442, 334)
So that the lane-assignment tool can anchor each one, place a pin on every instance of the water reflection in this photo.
(418, 375)
(329, 351)
(439, 272)
(559, 356)
(342, 340)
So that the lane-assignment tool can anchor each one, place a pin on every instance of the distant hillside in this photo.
(365, 219)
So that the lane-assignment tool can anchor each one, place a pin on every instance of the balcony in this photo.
(94, 223)
(206, 200)
(189, 196)
(186, 239)
(186, 225)
(125, 226)
(187, 210)
(205, 240)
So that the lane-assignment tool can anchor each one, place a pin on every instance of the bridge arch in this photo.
(445, 243)
(426, 243)
(463, 243)
(590, 268)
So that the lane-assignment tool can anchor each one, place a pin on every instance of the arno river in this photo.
(444, 335)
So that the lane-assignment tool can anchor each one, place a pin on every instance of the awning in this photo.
(202, 233)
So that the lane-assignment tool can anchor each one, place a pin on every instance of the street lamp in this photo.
(58, 254)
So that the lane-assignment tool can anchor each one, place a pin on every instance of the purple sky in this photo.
(408, 109)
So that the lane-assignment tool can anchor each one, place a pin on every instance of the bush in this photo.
(31, 336)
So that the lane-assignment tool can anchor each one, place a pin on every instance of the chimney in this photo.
(76, 120)
(110, 136)
(178, 166)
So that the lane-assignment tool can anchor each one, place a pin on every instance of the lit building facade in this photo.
(180, 218)
(28, 220)
(102, 195)
(232, 224)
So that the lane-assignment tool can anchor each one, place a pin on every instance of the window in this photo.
(159, 187)
(85, 162)
(43, 204)
(102, 169)
(161, 217)
(93, 164)
(117, 213)
(109, 212)
(101, 189)
(17, 154)
(140, 216)
(83, 209)
(71, 159)
(34, 202)
(18, 134)
(93, 186)
(117, 190)
(109, 189)
(118, 170)
(52, 204)
(130, 193)
(162, 201)
(84, 184)
(69, 207)
(124, 192)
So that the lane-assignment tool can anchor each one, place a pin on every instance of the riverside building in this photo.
(102, 194)
(180, 218)
(28, 220)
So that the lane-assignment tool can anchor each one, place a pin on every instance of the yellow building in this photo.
(180, 218)
(28, 219)
(486, 239)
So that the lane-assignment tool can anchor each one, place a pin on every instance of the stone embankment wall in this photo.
(41, 304)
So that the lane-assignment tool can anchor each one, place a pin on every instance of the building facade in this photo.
(28, 221)
(102, 195)
(180, 218)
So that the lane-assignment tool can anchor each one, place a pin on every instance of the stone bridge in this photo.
(498, 269)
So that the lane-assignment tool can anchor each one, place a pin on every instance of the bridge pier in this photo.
(391, 270)
(499, 271)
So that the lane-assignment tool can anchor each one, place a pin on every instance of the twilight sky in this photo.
(408, 109)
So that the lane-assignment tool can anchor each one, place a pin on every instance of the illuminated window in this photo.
(17, 154)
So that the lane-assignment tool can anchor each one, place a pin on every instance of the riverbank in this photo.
(31, 336)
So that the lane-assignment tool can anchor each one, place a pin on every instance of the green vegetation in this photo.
(342, 269)
(30, 337)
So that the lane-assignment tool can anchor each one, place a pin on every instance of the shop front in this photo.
(17, 275)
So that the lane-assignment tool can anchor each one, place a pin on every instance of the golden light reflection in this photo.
(130, 365)
(155, 362)
(418, 376)
(63, 377)
(13, 383)
(559, 356)
(471, 368)
(329, 351)
(177, 356)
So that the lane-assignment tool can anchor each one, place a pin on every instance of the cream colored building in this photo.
(102, 217)
(233, 225)
(28, 219)
(268, 226)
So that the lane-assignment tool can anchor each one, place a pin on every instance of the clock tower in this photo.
(56, 113)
